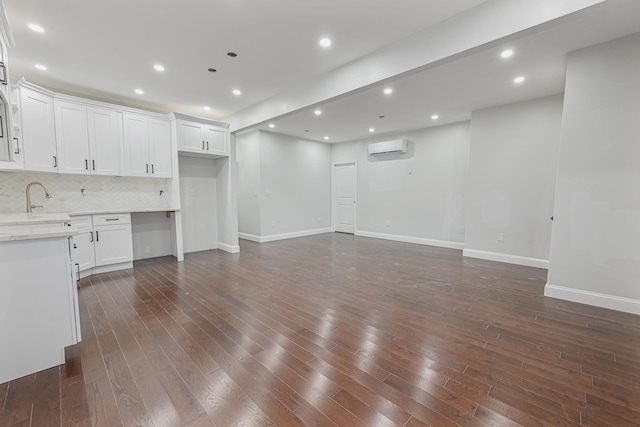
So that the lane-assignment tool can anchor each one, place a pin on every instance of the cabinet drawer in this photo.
(82, 223)
(112, 219)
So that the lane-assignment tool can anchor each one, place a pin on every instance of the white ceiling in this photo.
(106, 49)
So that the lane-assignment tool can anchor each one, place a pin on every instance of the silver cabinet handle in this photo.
(93, 164)
(207, 145)
(203, 145)
(91, 234)
(86, 164)
(97, 237)
(17, 146)
(147, 167)
(4, 73)
(112, 219)
(55, 161)
(152, 171)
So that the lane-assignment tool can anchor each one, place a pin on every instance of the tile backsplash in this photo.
(100, 192)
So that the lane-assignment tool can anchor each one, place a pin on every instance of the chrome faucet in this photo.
(28, 191)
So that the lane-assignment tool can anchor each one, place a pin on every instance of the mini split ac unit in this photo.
(385, 147)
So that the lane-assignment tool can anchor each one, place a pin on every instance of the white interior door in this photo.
(344, 197)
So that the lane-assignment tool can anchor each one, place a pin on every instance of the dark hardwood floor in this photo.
(334, 330)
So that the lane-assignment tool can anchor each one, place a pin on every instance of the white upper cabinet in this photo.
(105, 141)
(89, 139)
(190, 136)
(201, 137)
(160, 148)
(7, 144)
(216, 139)
(38, 130)
(147, 146)
(72, 137)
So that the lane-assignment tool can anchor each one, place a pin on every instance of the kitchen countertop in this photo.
(32, 218)
(117, 211)
(31, 233)
(43, 225)
(24, 226)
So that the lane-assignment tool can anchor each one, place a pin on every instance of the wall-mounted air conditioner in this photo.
(394, 146)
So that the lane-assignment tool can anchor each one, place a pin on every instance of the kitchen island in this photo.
(38, 293)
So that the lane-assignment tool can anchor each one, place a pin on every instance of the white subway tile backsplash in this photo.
(101, 192)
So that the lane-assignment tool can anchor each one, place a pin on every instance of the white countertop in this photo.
(116, 211)
(31, 233)
(32, 218)
(24, 226)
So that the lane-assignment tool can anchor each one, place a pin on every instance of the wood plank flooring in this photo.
(334, 330)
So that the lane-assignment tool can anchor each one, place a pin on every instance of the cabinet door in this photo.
(16, 133)
(136, 145)
(105, 141)
(160, 148)
(72, 137)
(83, 253)
(216, 140)
(38, 130)
(190, 136)
(113, 244)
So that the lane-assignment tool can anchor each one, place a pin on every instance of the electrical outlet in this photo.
(147, 250)
(500, 237)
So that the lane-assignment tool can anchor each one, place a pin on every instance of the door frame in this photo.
(333, 192)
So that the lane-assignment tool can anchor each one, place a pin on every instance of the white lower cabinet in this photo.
(103, 243)
(38, 305)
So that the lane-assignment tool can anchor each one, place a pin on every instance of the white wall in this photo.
(248, 151)
(595, 245)
(284, 187)
(417, 195)
(512, 172)
(199, 203)
(102, 193)
(296, 184)
(151, 235)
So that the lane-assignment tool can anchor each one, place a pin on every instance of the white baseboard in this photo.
(247, 236)
(509, 259)
(612, 302)
(407, 239)
(274, 237)
(233, 249)
(106, 269)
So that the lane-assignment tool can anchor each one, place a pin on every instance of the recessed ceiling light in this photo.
(232, 54)
(506, 53)
(388, 91)
(381, 117)
(372, 130)
(326, 137)
(271, 125)
(306, 130)
(207, 108)
(139, 91)
(518, 79)
(212, 70)
(158, 67)
(317, 112)
(41, 67)
(435, 117)
(37, 28)
(325, 42)
(236, 92)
